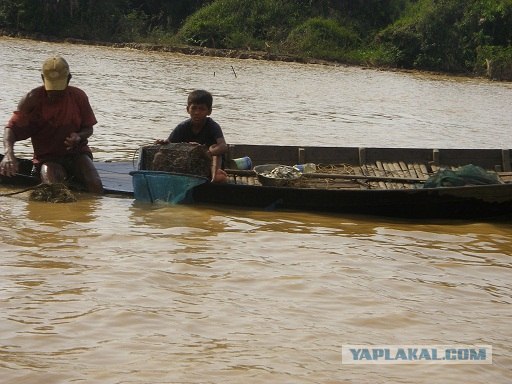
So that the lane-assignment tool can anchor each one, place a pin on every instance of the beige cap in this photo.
(55, 73)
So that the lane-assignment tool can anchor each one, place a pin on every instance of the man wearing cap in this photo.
(58, 119)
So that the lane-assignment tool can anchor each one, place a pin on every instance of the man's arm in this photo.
(9, 164)
(76, 137)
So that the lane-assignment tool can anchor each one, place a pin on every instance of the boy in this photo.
(201, 129)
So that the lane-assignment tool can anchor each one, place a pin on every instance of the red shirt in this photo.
(48, 122)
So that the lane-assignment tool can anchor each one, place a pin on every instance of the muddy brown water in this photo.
(108, 291)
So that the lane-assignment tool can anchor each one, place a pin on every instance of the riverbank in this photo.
(187, 50)
(227, 53)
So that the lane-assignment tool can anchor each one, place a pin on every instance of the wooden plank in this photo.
(263, 154)
(359, 170)
(505, 155)
(435, 157)
(336, 176)
(330, 184)
(377, 172)
(485, 158)
(332, 155)
(365, 170)
(116, 176)
(391, 172)
(398, 172)
(405, 169)
(506, 177)
(407, 172)
(362, 155)
(388, 168)
(424, 170)
(395, 154)
(301, 156)
(380, 171)
(288, 155)
(363, 184)
(414, 171)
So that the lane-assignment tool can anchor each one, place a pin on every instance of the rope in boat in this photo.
(341, 169)
(53, 193)
(21, 191)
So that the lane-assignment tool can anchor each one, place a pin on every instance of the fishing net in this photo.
(466, 175)
(185, 158)
(154, 186)
(53, 193)
(168, 172)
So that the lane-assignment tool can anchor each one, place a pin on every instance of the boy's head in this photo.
(200, 96)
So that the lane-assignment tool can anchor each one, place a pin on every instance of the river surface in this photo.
(108, 291)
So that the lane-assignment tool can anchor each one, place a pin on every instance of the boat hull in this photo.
(452, 203)
(380, 194)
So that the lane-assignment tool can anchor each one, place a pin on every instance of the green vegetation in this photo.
(457, 36)
(446, 35)
(238, 24)
(323, 38)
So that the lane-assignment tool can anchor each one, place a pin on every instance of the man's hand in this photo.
(72, 140)
(8, 165)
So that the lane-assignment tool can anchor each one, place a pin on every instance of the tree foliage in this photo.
(445, 35)
(112, 20)
(321, 38)
(239, 24)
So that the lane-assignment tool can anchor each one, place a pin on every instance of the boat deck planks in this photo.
(116, 176)
(323, 181)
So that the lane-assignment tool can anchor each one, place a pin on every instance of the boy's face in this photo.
(198, 112)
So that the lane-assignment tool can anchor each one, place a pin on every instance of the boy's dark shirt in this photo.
(208, 135)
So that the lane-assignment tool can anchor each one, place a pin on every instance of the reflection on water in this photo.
(60, 214)
(108, 291)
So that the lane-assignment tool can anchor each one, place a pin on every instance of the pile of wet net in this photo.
(53, 193)
(466, 175)
(185, 158)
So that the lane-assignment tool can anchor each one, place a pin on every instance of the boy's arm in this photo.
(164, 141)
(218, 149)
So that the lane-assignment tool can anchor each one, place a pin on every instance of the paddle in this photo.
(317, 175)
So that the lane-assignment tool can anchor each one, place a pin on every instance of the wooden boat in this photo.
(371, 181)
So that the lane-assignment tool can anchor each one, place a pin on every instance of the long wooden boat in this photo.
(371, 181)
